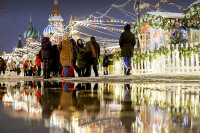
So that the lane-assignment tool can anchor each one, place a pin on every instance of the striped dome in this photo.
(49, 29)
(31, 32)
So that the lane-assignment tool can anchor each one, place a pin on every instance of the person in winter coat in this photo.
(40, 57)
(110, 63)
(46, 56)
(75, 54)
(55, 60)
(35, 70)
(80, 58)
(11, 66)
(127, 43)
(95, 60)
(2, 65)
(105, 63)
(25, 66)
(30, 68)
(38, 64)
(90, 54)
(18, 69)
(66, 54)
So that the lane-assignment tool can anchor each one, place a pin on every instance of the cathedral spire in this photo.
(30, 19)
(20, 42)
(56, 10)
(55, 1)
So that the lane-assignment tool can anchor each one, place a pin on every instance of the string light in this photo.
(103, 28)
(102, 32)
(114, 18)
(126, 13)
(123, 5)
(170, 3)
(113, 5)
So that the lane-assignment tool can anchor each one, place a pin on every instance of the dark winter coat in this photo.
(46, 48)
(127, 42)
(105, 61)
(96, 47)
(90, 51)
(81, 56)
(75, 49)
(40, 55)
(110, 58)
(55, 58)
(2, 64)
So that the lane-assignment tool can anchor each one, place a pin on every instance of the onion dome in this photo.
(49, 29)
(31, 32)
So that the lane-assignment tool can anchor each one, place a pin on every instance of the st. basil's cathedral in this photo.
(54, 30)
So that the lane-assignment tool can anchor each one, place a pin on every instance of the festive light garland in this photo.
(101, 32)
(192, 17)
(123, 11)
(99, 37)
(100, 22)
(158, 22)
(153, 7)
(108, 21)
(118, 20)
(191, 20)
(101, 27)
(113, 5)
(170, 3)
(138, 57)
(123, 5)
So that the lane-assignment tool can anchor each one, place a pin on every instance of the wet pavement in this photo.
(53, 107)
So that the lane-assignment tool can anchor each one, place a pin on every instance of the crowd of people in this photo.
(70, 56)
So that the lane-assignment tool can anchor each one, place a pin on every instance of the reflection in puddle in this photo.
(86, 107)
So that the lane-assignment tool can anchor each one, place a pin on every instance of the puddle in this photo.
(100, 108)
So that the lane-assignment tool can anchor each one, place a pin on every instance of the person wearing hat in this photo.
(127, 43)
(95, 60)
(90, 56)
(2, 65)
(46, 56)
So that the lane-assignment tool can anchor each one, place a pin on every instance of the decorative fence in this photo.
(177, 58)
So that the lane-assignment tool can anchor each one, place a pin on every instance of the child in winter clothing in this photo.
(38, 64)
(35, 70)
(105, 63)
(18, 69)
(25, 66)
(30, 68)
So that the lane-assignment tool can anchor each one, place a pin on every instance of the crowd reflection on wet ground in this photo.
(102, 107)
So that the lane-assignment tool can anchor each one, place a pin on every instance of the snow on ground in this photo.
(134, 78)
(11, 75)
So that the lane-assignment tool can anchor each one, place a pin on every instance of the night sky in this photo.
(14, 20)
